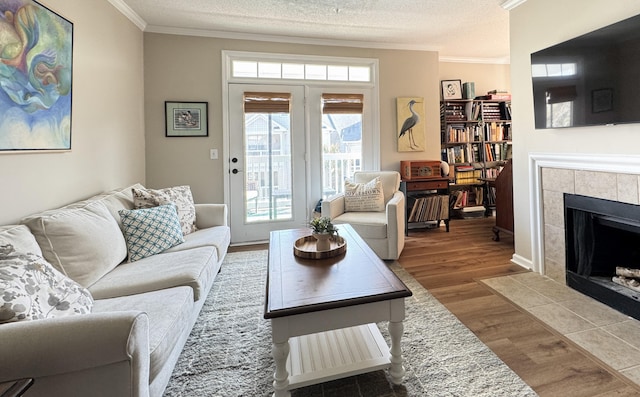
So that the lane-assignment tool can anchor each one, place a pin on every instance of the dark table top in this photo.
(296, 285)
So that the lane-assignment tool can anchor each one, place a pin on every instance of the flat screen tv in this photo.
(593, 79)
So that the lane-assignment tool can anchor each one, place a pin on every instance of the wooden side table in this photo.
(425, 189)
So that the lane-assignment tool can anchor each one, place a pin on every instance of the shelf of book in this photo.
(476, 142)
(427, 203)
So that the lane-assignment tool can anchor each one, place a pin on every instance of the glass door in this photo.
(267, 160)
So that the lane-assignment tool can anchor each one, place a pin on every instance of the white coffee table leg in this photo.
(396, 328)
(280, 352)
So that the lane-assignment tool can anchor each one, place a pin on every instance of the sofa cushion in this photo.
(149, 231)
(115, 200)
(217, 236)
(180, 195)
(84, 242)
(169, 312)
(20, 237)
(194, 268)
(31, 289)
(366, 224)
(364, 196)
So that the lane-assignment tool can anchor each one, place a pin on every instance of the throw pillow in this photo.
(180, 195)
(32, 289)
(364, 196)
(149, 231)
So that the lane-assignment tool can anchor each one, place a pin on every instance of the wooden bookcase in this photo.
(476, 142)
(427, 202)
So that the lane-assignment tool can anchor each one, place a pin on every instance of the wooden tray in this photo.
(305, 247)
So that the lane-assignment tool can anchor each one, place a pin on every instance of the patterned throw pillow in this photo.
(364, 196)
(149, 231)
(180, 195)
(32, 289)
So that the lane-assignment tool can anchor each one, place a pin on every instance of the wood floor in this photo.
(448, 265)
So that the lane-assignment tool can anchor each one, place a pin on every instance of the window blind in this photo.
(342, 103)
(267, 102)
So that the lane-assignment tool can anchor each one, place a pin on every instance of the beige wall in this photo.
(529, 33)
(107, 141)
(485, 76)
(189, 69)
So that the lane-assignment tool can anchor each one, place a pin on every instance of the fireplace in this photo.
(601, 235)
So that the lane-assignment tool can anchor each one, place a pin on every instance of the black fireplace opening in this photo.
(601, 238)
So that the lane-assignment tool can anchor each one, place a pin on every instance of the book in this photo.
(473, 208)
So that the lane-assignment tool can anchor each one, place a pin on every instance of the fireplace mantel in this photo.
(580, 167)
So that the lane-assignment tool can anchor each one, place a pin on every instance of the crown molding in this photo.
(285, 39)
(511, 4)
(493, 61)
(129, 13)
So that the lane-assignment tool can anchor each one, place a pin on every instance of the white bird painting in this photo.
(410, 124)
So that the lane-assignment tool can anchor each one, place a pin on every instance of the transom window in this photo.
(300, 70)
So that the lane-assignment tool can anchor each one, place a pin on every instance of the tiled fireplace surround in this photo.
(609, 335)
(586, 180)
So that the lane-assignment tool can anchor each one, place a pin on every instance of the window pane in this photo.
(359, 73)
(293, 71)
(539, 70)
(569, 69)
(269, 70)
(316, 72)
(554, 70)
(560, 114)
(340, 73)
(245, 69)
(341, 150)
(268, 172)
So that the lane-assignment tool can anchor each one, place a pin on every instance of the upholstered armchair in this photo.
(380, 224)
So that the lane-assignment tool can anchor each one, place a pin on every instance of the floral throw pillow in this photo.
(180, 195)
(32, 289)
(149, 231)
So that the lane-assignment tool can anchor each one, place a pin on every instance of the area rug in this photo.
(229, 350)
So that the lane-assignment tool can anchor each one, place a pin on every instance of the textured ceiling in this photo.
(455, 28)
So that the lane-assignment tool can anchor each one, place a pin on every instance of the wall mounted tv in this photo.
(593, 79)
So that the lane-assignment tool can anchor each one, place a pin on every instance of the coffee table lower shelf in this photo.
(336, 354)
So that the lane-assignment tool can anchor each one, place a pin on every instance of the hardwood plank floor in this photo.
(448, 265)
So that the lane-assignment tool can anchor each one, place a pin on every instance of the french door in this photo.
(267, 167)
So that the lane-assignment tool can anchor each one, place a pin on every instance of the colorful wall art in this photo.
(36, 50)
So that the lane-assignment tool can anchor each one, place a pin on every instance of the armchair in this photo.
(384, 230)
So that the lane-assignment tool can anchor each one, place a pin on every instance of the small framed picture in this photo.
(451, 89)
(601, 100)
(186, 119)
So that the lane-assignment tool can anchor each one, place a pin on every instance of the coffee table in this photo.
(323, 313)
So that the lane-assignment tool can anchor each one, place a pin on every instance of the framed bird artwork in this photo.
(410, 124)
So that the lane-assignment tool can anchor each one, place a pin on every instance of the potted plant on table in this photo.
(323, 231)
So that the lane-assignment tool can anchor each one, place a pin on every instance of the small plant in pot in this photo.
(323, 230)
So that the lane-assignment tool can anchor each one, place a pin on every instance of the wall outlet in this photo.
(213, 154)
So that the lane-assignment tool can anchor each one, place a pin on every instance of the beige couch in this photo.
(142, 313)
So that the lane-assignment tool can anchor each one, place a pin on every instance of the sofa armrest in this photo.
(76, 344)
(395, 228)
(210, 215)
(333, 206)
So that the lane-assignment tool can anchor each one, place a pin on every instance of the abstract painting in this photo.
(36, 50)
(410, 124)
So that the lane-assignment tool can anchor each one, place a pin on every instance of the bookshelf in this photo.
(427, 202)
(476, 142)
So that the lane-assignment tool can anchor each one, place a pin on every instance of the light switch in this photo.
(213, 154)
